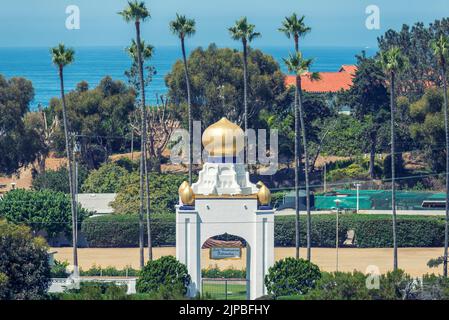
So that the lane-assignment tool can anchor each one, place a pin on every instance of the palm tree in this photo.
(294, 27)
(137, 12)
(61, 57)
(300, 66)
(244, 32)
(393, 62)
(440, 48)
(147, 53)
(183, 27)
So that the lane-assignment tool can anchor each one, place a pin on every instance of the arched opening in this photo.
(225, 267)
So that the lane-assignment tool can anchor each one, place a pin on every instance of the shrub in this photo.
(226, 273)
(59, 269)
(94, 291)
(109, 272)
(340, 286)
(41, 210)
(123, 230)
(23, 263)
(371, 231)
(57, 180)
(166, 274)
(107, 179)
(291, 277)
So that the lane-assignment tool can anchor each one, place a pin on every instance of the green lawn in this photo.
(216, 290)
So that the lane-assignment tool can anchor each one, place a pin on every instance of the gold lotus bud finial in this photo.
(264, 194)
(223, 138)
(186, 194)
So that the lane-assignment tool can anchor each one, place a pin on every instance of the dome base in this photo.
(224, 178)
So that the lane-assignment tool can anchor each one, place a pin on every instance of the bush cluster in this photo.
(226, 273)
(122, 231)
(371, 231)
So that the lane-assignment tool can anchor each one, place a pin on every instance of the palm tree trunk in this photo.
(306, 168)
(245, 96)
(297, 169)
(69, 168)
(142, 153)
(372, 155)
(393, 171)
(189, 106)
(446, 124)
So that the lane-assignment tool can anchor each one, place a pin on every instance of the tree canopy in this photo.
(217, 86)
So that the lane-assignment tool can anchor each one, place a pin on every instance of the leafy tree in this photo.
(24, 267)
(107, 179)
(291, 277)
(99, 116)
(413, 41)
(18, 143)
(137, 12)
(183, 27)
(41, 210)
(164, 273)
(340, 286)
(393, 62)
(57, 180)
(163, 195)
(368, 98)
(61, 57)
(300, 66)
(441, 51)
(217, 89)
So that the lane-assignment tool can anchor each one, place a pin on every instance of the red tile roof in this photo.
(329, 82)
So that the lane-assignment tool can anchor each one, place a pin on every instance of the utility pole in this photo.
(324, 183)
(337, 202)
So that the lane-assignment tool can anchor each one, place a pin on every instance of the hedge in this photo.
(371, 231)
(122, 231)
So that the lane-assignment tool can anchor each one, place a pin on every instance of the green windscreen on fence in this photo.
(375, 199)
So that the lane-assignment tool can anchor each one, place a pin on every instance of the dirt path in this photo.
(413, 260)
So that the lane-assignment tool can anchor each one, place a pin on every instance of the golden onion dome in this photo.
(186, 194)
(223, 138)
(264, 194)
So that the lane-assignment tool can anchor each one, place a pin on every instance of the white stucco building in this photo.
(223, 200)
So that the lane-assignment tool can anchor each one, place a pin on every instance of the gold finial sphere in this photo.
(223, 138)
(264, 194)
(186, 194)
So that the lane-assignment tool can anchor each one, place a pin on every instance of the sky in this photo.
(42, 23)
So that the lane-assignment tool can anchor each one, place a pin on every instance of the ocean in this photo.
(93, 63)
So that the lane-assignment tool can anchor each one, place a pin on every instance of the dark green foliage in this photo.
(109, 272)
(41, 210)
(94, 291)
(18, 144)
(98, 113)
(123, 230)
(57, 180)
(59, 269)
(340, 286)
(24, 267)
(291, 277)
(226, 273)
(106, 179)
(165, 272)
(218, 72)
(371, 231)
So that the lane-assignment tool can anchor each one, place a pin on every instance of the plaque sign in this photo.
(225, 253)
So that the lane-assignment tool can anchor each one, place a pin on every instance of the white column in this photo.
(262, 253)
(188, 244)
